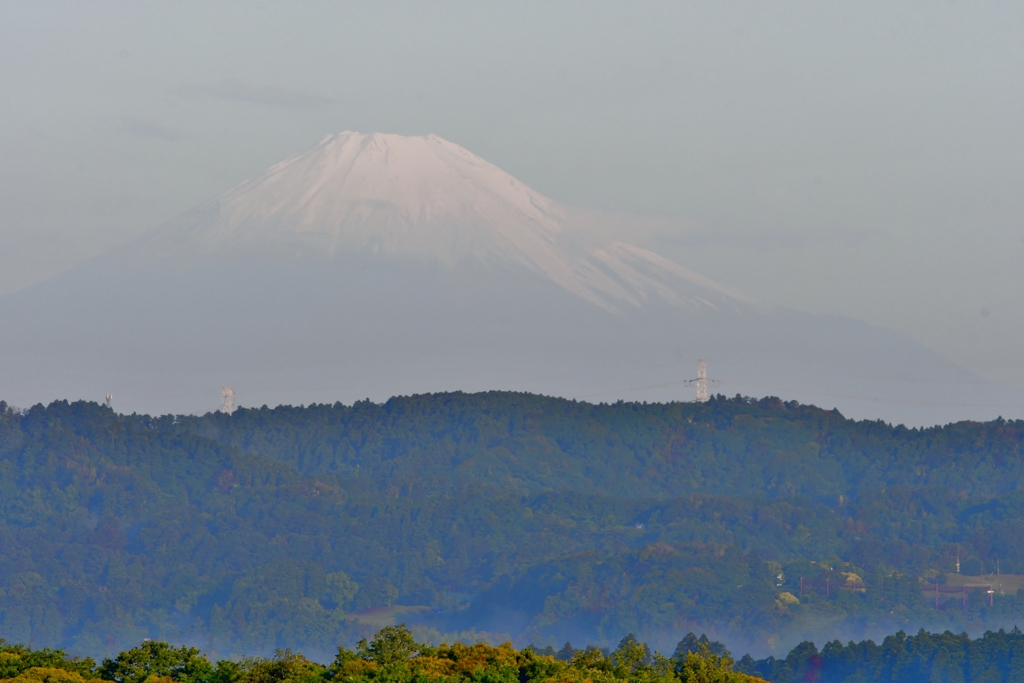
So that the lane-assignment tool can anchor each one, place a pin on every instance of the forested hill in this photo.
(528, 444)
(511, 515)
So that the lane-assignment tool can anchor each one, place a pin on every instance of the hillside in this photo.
(762, 522)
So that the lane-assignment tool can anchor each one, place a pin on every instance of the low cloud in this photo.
(235, 90)
(144, 128)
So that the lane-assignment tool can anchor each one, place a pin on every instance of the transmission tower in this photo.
(108, 400)
(227, 400)
(702, 382)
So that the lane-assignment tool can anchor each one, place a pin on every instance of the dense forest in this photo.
(502, 516)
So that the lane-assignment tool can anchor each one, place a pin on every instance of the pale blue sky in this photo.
(861, 159)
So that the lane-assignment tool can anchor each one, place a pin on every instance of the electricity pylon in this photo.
(227, 400)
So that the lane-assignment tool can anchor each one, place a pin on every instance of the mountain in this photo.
(377, 265)
(421, 200)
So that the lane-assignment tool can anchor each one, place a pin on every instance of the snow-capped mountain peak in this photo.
(423, 199)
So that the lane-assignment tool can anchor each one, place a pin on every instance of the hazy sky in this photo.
(862, 159)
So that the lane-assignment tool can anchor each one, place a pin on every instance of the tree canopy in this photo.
(391, 656)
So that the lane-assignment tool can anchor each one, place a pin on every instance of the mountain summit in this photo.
(425, 200)
(391, 195)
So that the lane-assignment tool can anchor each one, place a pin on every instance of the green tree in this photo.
(631, 654)
(704, 666)
(284, 666)
(592, 658)
(16, 659)
(341, 589)
(156, 658)
(391, 646)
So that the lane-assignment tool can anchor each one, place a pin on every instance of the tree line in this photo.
(391, 656)
(995, 657)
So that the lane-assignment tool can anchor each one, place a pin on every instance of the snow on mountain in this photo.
(423, 199)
